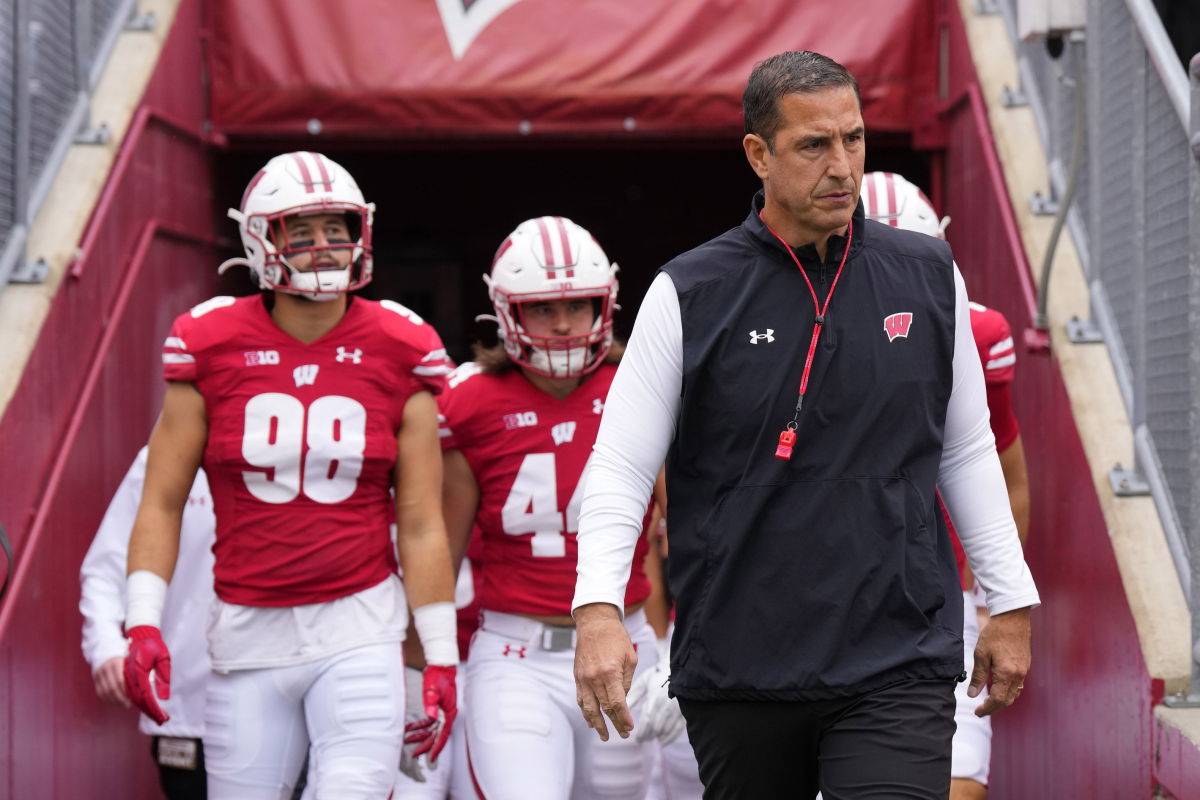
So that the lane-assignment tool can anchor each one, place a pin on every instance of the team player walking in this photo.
(308, 409)
(519, 426)
(317, 417)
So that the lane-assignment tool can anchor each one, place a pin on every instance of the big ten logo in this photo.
(257, 357)
(521, 420)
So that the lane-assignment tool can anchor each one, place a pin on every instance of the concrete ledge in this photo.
(1177, 751)
(55, 233)
(1147, 571)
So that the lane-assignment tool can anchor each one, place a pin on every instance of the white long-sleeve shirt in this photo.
(185, 614)
(640, 419)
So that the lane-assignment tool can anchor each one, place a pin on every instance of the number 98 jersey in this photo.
(528, 453)
(302, 442)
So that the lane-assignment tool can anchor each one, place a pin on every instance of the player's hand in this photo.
(418, 728)
(1004, 651)
(110, 682)
(660, 717)
(148, 671)
(604, 665)
(440, 696)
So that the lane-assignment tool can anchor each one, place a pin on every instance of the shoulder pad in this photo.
(404, 311)
(211, 304)
(463, 372)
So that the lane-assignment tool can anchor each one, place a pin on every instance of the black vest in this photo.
(831, 574)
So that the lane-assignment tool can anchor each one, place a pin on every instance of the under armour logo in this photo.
(509, 650)
(597, 406)
(769, 336)
(563, 432)
(355, 357)
(305, 375)
(897, 325)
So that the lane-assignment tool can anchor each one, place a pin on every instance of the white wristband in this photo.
(146, 594)
(437, 625)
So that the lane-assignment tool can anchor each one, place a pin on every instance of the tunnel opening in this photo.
(441, 213)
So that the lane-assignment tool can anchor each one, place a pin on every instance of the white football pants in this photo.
(972, 754)
(674, 774)
(349, 708)
(526, 738)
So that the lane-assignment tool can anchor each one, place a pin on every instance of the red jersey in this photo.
(528, 452)
(302, 442)
(993, 339)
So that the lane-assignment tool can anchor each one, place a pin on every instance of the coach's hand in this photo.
(604, 663)
(1004, 651)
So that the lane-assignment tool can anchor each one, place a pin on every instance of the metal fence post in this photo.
(1192, 699)
(14, 250)
(1194, 364)
(1132, 482)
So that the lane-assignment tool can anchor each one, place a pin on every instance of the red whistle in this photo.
(786, 440)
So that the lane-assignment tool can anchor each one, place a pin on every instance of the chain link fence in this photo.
(1135, 221)
(51, 56)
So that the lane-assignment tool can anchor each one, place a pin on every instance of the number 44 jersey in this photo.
(528, 453)
(302, 442)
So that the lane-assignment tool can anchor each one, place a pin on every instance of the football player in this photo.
(520, 423)
(307, 409)
(892, 200)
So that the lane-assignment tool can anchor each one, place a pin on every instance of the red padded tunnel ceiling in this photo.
(432, 68)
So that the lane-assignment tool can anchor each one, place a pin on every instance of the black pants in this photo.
(182, 784)
(890, 744)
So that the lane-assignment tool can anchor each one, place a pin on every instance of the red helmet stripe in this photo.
(250, 188)
(305, 175)
(893, 207)
(549, 248)
(872, 207)
(565, 241)
(317, 157)
(503, 249)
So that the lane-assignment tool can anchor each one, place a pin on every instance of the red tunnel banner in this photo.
(430, 68)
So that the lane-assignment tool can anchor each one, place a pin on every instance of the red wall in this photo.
(94, 361)
(1083, 727)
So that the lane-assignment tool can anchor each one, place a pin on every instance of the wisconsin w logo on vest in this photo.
(897, 325)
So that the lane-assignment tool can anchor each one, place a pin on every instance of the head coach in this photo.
(811, 381)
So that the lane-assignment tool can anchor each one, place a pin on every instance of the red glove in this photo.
(441, 707)
(147, 654)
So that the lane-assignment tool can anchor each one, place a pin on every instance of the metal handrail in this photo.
(1166, 60)
(144, 116)
(150, 231)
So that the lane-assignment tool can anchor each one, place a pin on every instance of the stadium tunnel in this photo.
(441, 214)
(468, 118)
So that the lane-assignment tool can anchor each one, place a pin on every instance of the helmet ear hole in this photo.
(354, 226)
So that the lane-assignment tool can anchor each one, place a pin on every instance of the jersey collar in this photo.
(756, 231)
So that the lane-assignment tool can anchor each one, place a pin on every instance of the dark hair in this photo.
(788, 73)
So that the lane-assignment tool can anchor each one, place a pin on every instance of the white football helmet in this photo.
(892, 200)
(552, 258)
(299, 184)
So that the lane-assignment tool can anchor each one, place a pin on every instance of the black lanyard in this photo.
(788, 437)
